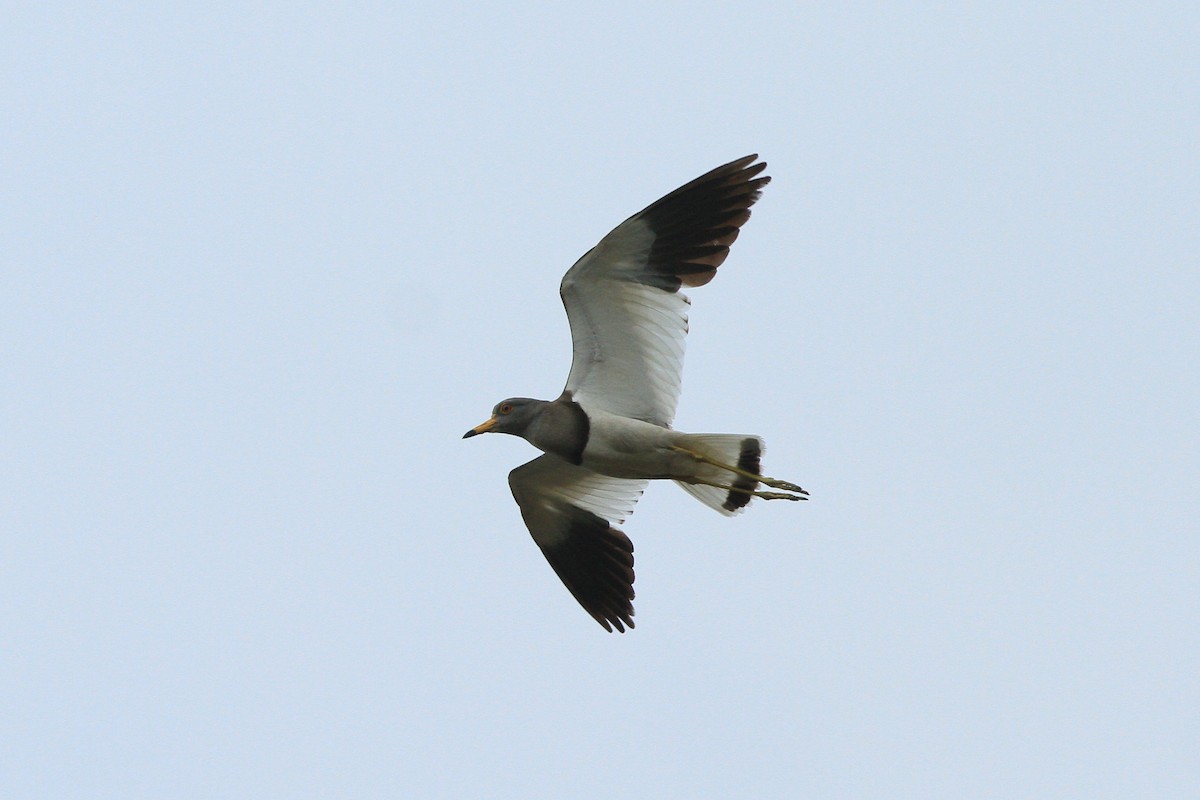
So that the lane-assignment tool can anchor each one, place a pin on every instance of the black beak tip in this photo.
(470, 433)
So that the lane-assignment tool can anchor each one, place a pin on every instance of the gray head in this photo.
(513, 415)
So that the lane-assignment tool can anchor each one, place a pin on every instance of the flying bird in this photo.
(609, 432)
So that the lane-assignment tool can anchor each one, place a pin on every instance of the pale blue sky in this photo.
(262, 266)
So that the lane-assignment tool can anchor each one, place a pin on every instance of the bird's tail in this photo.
(744, 452)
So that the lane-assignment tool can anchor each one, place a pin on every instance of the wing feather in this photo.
(570, 512)
(628, 317)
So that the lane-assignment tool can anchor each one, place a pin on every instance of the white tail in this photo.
(744, 452)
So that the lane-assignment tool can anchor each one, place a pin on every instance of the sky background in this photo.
(263, 265)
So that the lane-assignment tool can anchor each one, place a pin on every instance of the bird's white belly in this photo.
(629, 448)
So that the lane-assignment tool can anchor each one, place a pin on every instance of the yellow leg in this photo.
(774, 483)
(751, 492)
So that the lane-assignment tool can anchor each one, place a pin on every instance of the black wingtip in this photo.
(695, 225)
(595, 562)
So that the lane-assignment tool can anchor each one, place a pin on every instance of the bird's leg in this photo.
(774, 483)
(753, 492)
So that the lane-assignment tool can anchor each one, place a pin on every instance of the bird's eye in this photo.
(505, 408)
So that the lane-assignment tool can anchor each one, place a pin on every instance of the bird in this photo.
(609, 433)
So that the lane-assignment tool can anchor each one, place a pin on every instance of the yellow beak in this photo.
(482, 427)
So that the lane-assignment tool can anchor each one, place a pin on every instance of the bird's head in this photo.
(509, 416)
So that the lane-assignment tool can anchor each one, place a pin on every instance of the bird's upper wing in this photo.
(628, 317)
(569, 510)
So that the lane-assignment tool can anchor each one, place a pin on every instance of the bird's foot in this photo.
(775, 483)
(780, 495)
(751, 492)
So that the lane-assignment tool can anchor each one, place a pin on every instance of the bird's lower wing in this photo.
(570, 512)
